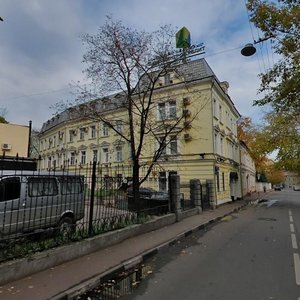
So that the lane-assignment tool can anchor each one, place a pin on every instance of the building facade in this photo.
(14, 140)
(291, 179)
(248, 171)
(204, 144)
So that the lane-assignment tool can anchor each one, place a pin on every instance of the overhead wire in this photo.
(37, 94)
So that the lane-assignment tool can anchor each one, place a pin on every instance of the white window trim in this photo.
(168, 106)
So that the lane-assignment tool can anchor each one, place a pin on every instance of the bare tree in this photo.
(130, 64)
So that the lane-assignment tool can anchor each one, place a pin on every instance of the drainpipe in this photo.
(29, 139)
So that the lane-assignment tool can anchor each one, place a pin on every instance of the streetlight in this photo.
(249, 49)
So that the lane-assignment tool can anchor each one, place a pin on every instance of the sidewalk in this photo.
(66, 280)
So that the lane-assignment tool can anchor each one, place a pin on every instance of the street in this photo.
(249, 255)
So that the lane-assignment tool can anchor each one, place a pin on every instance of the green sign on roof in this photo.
(183, 38)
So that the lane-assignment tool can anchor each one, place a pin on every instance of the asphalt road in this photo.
(249, 255)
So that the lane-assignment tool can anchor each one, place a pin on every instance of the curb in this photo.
(91, 283)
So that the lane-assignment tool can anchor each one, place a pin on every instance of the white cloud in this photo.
(41, 50)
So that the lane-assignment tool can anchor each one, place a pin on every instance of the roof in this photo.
(191, 70)
(196, 69)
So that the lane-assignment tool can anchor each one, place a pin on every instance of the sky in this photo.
(41, 48)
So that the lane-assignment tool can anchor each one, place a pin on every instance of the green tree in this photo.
(281, 21)
(255, 140)
(3, 112)
(282, 135)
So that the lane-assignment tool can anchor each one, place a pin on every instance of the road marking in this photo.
(297, 268)
(291, 219)
(292, 228)
(290, 212)
(294, 241)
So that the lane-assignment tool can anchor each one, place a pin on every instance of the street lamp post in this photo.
(249, 49)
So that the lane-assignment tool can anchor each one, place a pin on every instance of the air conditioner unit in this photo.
(186, 101)
(187, 137)
(186, 113)
(187, 125)
(6, 146)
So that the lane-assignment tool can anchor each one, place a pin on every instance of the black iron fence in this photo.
(43, 209)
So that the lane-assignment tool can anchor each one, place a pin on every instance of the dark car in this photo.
(149, 199)
(277, 187)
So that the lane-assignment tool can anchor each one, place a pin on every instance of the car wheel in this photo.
(66, 226)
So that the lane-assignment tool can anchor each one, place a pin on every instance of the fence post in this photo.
(211, 193)
(174, 185)
(195, 194)
(92, 199)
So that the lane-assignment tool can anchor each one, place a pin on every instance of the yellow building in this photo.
(207, 148)
(14, 140)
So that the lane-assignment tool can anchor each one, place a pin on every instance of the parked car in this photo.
(277, 187)
(32, 201)
(149, 198)
(296, 187)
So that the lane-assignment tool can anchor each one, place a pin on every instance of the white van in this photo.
(31, 201)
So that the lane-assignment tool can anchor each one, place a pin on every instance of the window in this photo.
(222, 146)
(104, 129)
(70, 136)
(215, 108)
(167, 110)
(105, 158)
(54, 141)
(167, 79)
(173, 146)
(223, 181)
(83, 157)
(220, 113)
(72, 158)
(93, 132)
(81, 134)
(119, 156)
(43, 186)
(172, 109)
(10, 188)
(119, 126)
(169, 146)
(162, 111)
(216, 142)
(163, 145)
(49, 162)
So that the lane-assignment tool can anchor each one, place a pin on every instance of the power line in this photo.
(38, 94)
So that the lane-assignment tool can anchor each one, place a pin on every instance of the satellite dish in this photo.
(248, 50)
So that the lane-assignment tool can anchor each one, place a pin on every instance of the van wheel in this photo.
(66, 227)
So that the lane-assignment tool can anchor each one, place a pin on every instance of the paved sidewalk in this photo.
(64, 281)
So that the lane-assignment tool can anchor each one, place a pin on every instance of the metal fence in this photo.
(44, 209)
